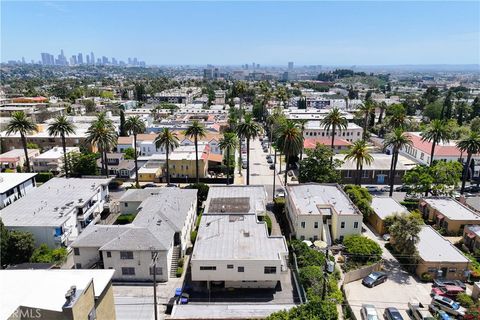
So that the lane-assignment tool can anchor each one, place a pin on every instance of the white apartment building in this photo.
(56, 212)
(233, 248)
(52, 160)
(316, 129)
(14, 186)
(312, 114)
(162, 226)
(321, 212)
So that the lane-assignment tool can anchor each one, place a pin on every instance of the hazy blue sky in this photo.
(328, 33)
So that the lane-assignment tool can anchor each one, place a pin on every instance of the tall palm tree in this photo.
(62, 127)
(396, 140)
(437, 131)
(102, 133)
(134, 125)
(228, 143)
(301, 123)
(382, 106)
(248, 129)
(335, 120)
(20, 123)
(359, 153)
(290, 140)
(365, 110)
(470, 145)
(169, 141)
(196, 130)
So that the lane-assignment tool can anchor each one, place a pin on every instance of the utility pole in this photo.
(154, 263)
(274, 172)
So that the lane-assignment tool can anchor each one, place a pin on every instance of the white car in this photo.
(371, 188)
(368, 312)
(386, 237)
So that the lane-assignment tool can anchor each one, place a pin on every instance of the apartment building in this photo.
(14, 186)
(233, 248)
(59, 210)
(52, 160)
(471, 237)
(316, 129)
(321, 212)
(16, 158)
(339, 145)
(384, 207)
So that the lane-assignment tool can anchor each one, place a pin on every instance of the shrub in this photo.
(44, 254)
(202, 191)
(125, 219)
(361, 248)
(43, 176)
(361, 198)
(305, 255)
(197, 222)
(180, 262)
(179, 272)
(193, 236)
(465, 300)
(427, 277)
(268, 221)
(12, 171)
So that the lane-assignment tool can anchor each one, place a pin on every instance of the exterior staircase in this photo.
(175, 257)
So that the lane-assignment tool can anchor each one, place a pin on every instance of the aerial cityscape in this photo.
(270, 160)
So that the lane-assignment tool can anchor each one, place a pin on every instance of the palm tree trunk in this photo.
(380, 116)
(24, 144)
(465, 172)
(248, 161)
(228, 166)
(196, 159)
(168, 167)
(365, 125)
(65, 162)
(106, 163)
(103, 161)
(392, 171)
(432, 153)
(286, 169)
(360, 171)
(333, 143)
(135, 158)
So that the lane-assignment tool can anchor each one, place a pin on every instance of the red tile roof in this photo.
(440, 150)
(310, 143)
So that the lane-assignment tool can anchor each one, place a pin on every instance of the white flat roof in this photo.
(386, 206)
(380, 161)
(56, 153)
(316, 125)
(432, 247)
(256, 195)
(452, 209)
(11, 180)
(46, 289)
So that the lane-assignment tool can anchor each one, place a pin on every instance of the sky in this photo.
(239, 32)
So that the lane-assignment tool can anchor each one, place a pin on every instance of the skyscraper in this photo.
(88, 58)
(80, 58)
(92, 58)
(290, 66)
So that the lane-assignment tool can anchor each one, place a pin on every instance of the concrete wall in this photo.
(361, 273)
(105, 304)
(309, 232)
(458, 274)
(84, 303)
(349, 228)
(127, 207)
(87, 257)
(377, 223)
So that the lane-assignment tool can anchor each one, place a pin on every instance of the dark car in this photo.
(472, 188)
(374, 279)
(403, 188)
(149, 185)
(272, 167)
(443, 283)
(392, 314)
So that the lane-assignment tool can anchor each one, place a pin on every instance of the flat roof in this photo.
(452, 209)
(386, 206)
(42, 206)
(46, 289)
(432, 247)
(256, 195)
(56, 153)
(11, 180)
(316, 125)
(313, 198)
(380, 161)
(18, 153)
(236, 237)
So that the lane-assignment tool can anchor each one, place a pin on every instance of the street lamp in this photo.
(154, 264)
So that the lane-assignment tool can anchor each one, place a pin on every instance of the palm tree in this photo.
(169, 141)
(19, 123)
(334, 119)
(248, 129)
(134, 125)
(103, 134)
(196, 130)
(62, 127)
(396, 140)
(359, 153)
(365, 110)
(470, 145)
(382, 106)
(290, 140)
(437, 131)
(301, 123)
(229, 142)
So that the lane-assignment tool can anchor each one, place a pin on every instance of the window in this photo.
(452, 270)
(355, 225)
(342, 225)
(315, 224)
(432, 270)
(76, 251)
(128, 271)
(229, 266)
(241, 269)
(303, 224)
(109, 254)
(270, 270)
(159, 271)
(78, 266)
(126, 255)
(208, 268)
(126, 204)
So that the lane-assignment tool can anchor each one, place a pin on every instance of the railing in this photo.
(296, 276)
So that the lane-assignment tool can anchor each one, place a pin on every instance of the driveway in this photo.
(399, 289)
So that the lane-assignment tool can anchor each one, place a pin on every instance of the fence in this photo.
(358, 274)
(296, 277)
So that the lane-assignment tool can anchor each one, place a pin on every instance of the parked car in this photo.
(449, 306)
(272, 167)
(269, 156)
(244, 165)
(265, 149)
(280, 193)
(472, 189)
(371, 188)
(149, 185)
(402, 188)
(438, 313)
(386, 237)
(447, 291)
(374, 279)
(368, 312)
(392, 314)
(384, 189)
(418, 311)
(443, 283)
(269, 160)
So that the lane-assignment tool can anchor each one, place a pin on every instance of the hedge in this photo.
(43, 176)
(179, 272)
(193, 236)
(125, 219)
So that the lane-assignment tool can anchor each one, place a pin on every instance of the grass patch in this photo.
(125, 219)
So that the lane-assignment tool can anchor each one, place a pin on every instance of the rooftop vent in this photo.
(246, 234)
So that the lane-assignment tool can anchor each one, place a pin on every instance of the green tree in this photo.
(20, 123)
(31, 145)
(43, 254)
(227, 143)
(395, 141)
(433, 110)
(334, 120)
(89, 105)
(123, 131)
(362, 249)
(475, 125)
(62, 127)
(404, 232)
(447, 106)
(437, 131)
(248, 129)
(359, 153)
(129, 153)
(397, 116)
(195, 131)
(82, 164)
(475, 107)
(365, 110)
(168, 140)
(361, 198)
(301, 123)
(438, 180)
(290, 141)
(3, 244)
(20, 247)
(470, 145)
(139, 92)
(431, 94)
(102, 134)
(318, 167)
(135, 125)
